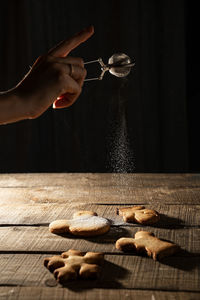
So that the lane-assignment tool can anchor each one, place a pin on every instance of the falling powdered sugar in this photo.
(120, 158)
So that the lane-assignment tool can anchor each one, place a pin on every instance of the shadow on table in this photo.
(169, 222)
(165, 222)
(107, 238)
(108, 279)
(183, 260)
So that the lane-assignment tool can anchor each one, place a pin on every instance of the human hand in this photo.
(54, 78)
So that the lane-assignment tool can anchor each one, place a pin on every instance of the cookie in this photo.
(138, 214)
(83, 223)
(74, 264)
(146, 242)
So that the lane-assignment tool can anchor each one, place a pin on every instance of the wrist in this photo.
(11, 107)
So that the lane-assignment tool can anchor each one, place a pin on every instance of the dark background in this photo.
(148, 122)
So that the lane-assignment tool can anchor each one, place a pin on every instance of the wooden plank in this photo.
(41, 240)
(103, 195)
(49, 293)
(119, 271)
(101, 188)
(99, 179)
(172, 216)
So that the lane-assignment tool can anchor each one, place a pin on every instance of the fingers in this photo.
(75, 68)
(64, 48)
(67, 74)
(71, 60)
(76, 72)
(72, 66)
(67, 99)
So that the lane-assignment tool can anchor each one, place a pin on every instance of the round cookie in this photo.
(84, 223)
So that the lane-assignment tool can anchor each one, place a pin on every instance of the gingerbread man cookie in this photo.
(138, 214)
(146, 242)
(83, 223)
(74, 264)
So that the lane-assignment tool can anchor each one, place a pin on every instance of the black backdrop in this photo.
(156, 100)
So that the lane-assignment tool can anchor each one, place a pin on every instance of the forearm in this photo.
(11, 107)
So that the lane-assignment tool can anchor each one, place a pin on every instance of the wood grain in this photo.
(100, 188)
(83, 179)
(119, 271)
(49, 293)
(103, 195)
(41, 240)
(28, 202)
(171, 216)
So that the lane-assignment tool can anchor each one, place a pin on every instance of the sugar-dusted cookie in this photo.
(138, 214)
(83, 223)
(146, 242)
(74, 264)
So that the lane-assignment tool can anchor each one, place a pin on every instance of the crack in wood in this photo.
(56, 252)
(181, 226)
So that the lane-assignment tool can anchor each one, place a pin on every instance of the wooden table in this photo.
(28, 202)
